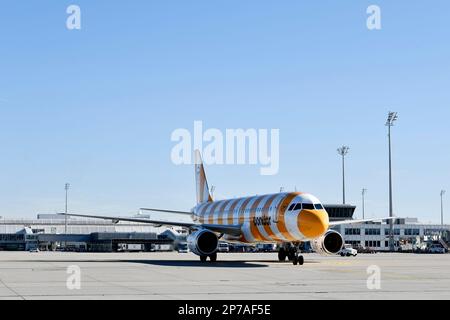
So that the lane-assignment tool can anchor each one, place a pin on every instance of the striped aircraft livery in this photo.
(281, 217)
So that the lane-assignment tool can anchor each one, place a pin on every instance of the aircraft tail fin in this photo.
(203, 194)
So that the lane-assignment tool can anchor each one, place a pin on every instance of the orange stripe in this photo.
(265, 213)
(211, 213)
(253, 227)
(222, 212)
(231, 212)
(281, 212)
(201, 213)
(202, 183)
(242, 239)
(241, 214)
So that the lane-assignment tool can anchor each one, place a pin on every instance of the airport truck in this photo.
(129, 247)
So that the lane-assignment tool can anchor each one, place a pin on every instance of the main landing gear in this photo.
(292, 253)
(212, 258)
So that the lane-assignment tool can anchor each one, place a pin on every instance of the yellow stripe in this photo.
(202, 183)
(281, 212)
(242, 239)
(265, 213)
(241, 214)
(222, 212)
(231, 212)
(253, 227)
(211, 213)
(201, 213)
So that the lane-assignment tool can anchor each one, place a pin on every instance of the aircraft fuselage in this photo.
(280, 217)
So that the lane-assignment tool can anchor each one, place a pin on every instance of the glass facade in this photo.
(372, 232)
(340, 212)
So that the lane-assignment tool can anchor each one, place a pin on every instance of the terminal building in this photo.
(408, 233)
(47, 232)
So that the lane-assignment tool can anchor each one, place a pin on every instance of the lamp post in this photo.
(343, 151)
(442, 207)
(392, 117)
(66, 187)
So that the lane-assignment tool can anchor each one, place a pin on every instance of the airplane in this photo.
(285, 218)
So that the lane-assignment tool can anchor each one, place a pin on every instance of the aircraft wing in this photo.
(234, 230)
(338, 223)
(139, 220)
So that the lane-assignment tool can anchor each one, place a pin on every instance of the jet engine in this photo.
(329, 244)
(203, 242)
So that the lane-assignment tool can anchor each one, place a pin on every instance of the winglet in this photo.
(203, 194)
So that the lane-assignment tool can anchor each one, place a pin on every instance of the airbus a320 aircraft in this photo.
(287, 219)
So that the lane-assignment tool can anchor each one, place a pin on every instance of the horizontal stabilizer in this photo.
(166, 211)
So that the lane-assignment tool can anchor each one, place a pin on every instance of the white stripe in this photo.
(217, 211)
(291, 219)
(273, 226)
(227, 209)
(247, 233)
(236, 211)
(246, 230)
(208, 211)
(259, 214)
(200, 209)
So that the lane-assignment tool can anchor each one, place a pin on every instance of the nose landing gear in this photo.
(291, 252)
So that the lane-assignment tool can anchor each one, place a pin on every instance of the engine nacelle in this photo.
(203, 242)
(329, 244)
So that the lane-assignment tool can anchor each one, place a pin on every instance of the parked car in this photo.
(366, 250)
(183, 247)
(348, 251)
(436, 249)
(224, 247)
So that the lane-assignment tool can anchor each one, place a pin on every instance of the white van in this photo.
(348, 251)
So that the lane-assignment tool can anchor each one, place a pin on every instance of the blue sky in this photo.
(96, 107)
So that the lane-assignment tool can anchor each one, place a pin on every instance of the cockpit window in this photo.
(308, 206)
(318, 206)
(291, 207)
(298, 206)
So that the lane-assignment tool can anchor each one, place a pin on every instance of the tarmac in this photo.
(236, 276)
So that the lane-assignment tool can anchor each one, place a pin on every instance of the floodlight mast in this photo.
(364, 191)
(392, 117)
(66, 187)
(343, 151)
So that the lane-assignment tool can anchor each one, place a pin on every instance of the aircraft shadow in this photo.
(198, 264)
(176, 263)
(163, 263)
(218, 264)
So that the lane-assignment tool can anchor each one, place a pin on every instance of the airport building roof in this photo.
(55, 224)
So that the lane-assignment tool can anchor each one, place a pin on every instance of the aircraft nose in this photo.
(313, 223)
